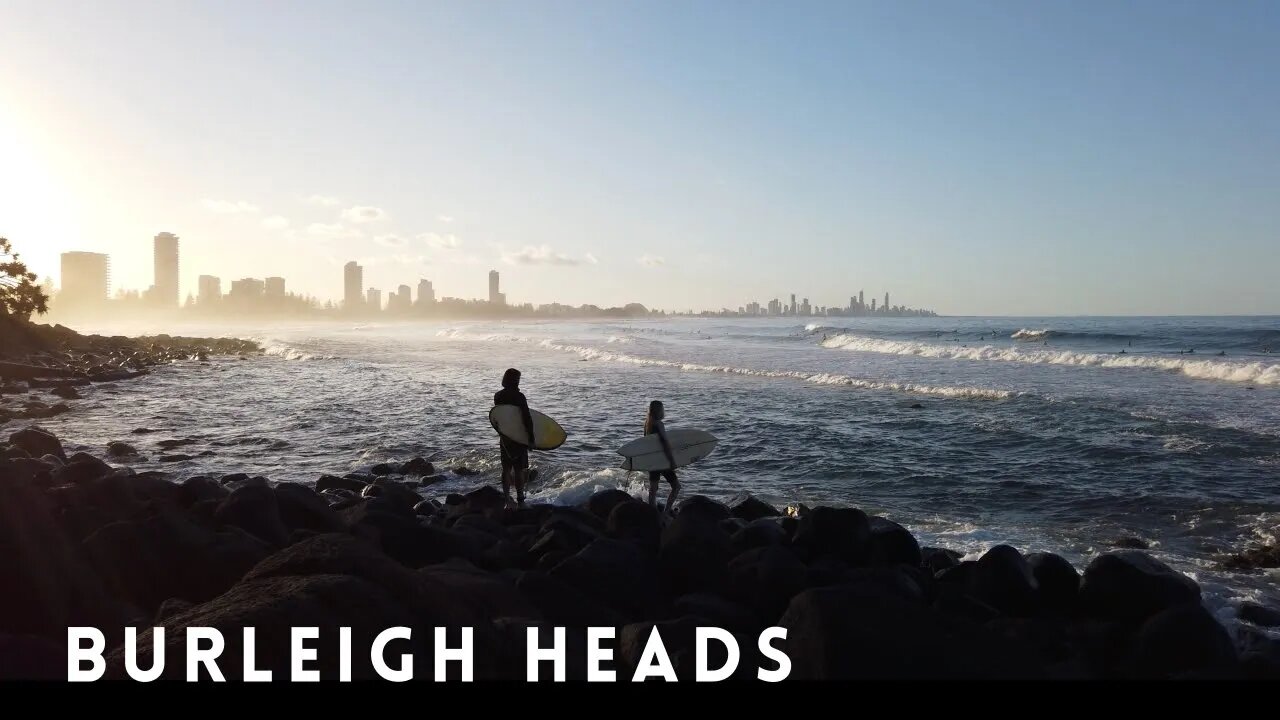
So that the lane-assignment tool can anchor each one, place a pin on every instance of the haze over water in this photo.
(1038, 432)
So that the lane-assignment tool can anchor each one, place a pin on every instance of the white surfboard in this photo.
(687, 446)
(547, 433)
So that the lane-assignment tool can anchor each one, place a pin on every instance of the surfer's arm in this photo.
(666, 446)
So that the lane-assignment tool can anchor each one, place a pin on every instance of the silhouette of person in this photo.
(653, 425)
(515, 457)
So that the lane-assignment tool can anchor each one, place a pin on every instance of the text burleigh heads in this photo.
(205, 646)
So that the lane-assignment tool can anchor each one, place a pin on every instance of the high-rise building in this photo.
(210, 290)
(247, 289)
(374, 299)
(873, 304)
(862, 305)
(165, 292)
(274, 286)
(403, 299)
(886, 303)
(775, 307)
(352, 285)
(86, 279)
(426, 294)
(804, 308)
(495, 297)
(793, 304)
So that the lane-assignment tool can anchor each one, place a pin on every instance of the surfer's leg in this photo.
(653, 488)
(675, 489)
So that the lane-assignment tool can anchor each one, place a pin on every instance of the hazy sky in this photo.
(1019, 157)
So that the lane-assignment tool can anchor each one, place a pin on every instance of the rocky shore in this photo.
(91, 544)
(43, 368)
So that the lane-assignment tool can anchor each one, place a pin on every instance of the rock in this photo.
(1130, 543)
(695, 551)
(491, 595)
(748, 507)
(303, 508)
(26, 470)
(53, 461)
(719, 612)
(170, 608)
(382, 469)
(178, 457)
(66, 392)
(842, 532)
(82, 469)
(1182, 639)
(484, 499)
(200, 487)
(424, 508)
(14, 453)
(464, 471)
(616, 573)
(635, 522)
(939, 559)
(765, 579)
(396, 491)
(703, 507)
(395, 529)
(37, 442)
(893, 544)
(143, 431)
(1003, 580)
(856, 631)
(1259, 615)
(171, 444)
(762, 532)
(563, 604)
(119, 449)
(917, 406)
(418, 466)
(1058, 581)
(333, 482)
(233, 478)
(1131, 586)
(603, 502)
(1267, 556)
(433, 479)
(254, 509)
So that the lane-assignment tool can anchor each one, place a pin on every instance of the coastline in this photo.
(104, 546)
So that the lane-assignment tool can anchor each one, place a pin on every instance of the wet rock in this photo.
(484, 499)
(396, 491)
(703, 507)
(333, 482)
(1267, 556)
(1002, 579)
(765, 579)
(37, 442)
(198, 488)
(82, 469)
(718, 611)
(177, 457)
(26, 470)
(859, 632)
(749, 507)
(635, 522)
(695, 551)
(1058, 580)
(563, 604)
(1131, 586)
(424, 508)
(762, 532)
(1130, 543)
(433, 479)
(603, 502)
(66, 392)
(892, 544)
(615, 572)
(303, 508)
(489, 594)
(119, 449)
(254, 509)
(842, 532)
(1180, 640)
(464, 471)
(143, 431)
(14, 453)
(418, 466)
(939, 559)
(1259, 615)
(171, 444)
(382, 469)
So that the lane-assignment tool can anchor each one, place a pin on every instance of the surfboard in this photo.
(547, 433)
(687, 446)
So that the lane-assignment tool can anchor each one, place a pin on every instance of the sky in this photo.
(994, 158)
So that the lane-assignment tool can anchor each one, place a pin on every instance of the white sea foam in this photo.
(1025, 334)
(619, 340)
(590, 353)
(288, 352)
(1245, 372)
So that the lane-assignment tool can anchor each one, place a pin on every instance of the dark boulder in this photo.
(1131, 586)
(938, 559)
(418, 466)
(718, 611)
(703, 507)
(615, 572)
(333, 482)
(695, 551)
(393, 490)
(484, 499)
(1259, 615)
(382, 469)
(425, 508)
(765, 579)
(842, 532)
(233, 478)
(178, 457)
(1058, 580)
(763, 532)
(198, 488)
(563, 604)
(171, 444)
(119, 449)
(81, 468)
(636, 522)
(37, 442)
(26, 470)
(303, 508)
(489, 594)
(892, 544)
(1130, 543)
(859, 632)
(1002, 579)
(603, 502)
(1181, 640)
(254, 509)
(749, 507)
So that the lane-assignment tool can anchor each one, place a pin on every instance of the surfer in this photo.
(515, 457)
(653, 425)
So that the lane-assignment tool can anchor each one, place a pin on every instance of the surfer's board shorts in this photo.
(514, 455)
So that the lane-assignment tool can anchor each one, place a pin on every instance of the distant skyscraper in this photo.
(247, 289)
(352, 285)
(275, 286)
(86, 279)
(804, 308)
(166, 270)
(794, 308)
(873, 304)
(861, 302)
(210, 290)
(886, 303)
(426, 293)
(495, 297)
(374, 299)
(775, 307)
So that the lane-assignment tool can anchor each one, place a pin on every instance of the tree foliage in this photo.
(19, 294)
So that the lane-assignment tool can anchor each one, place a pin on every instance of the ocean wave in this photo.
(288, 352)
(1025, 334)
(590, 353)
(1243, 372)
(619, 340)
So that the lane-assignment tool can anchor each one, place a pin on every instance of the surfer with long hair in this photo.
(515, 457)
(653, 425)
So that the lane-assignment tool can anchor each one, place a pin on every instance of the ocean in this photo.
(1058, 434)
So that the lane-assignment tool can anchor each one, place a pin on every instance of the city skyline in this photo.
(993, 159)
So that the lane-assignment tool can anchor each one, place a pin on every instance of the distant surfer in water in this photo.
(653, 425)
(515, 457)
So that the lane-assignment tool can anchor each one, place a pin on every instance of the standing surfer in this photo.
(515, 457)
(653, 425)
